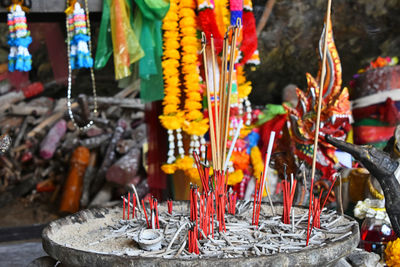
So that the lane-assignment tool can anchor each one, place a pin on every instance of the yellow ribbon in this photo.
(14, 3)
(71, 7)
(373, 190)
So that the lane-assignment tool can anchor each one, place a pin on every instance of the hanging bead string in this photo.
(69, 37)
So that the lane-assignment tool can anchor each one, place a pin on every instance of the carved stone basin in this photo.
(84, 225)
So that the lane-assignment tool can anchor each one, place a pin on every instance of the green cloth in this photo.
(370, 122)
(270, 112)
(104, 42)
(147, 24)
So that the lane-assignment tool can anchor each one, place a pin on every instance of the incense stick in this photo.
(216, 116)
(227, 102)
(237, 133)
(291, 181)
(210, 116)
(323, 73)
(266, 167)
(222, 89)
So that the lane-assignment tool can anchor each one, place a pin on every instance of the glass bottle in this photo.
(376, 232)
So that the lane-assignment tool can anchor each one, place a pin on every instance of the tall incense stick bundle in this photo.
(210, 114)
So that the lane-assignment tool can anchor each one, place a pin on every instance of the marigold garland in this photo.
(196, 124)
(235, 177)
(181, 47)
(172, 118)
(392, 253)
(256, 161)
(170, 66)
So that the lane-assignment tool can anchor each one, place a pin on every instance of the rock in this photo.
(44, 261)
(363, 30)
(363, 258)
(342, 263)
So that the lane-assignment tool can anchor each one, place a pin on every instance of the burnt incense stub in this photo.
(99, 237)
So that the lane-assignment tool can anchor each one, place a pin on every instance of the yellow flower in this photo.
(188, 3)
(191, 105)
(244, 89)
(171, 44)
(235, 177)
(189, 40)
(168, 72)
(189, 68)
(171, 99)
(189, 59)
(187, 12)
(185, 163)
(192, 49)
(173, 80)
(245, 131)
(187, 22)
(195, 96)
(256, 161)
(188, 31)
(193, 175)
(172, 53)
(169, 25)
(194, 115)
(192, 77)
(168, 168)
(171, 34)
(170, 63)
(171, 122)
(392, 253)
(198, 128)
(172, 90)
(170, 109)
(171, 16)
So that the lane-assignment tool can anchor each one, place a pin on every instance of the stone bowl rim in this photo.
(57, 250)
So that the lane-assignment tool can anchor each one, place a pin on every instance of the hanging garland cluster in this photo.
(195, 124)
(181, 47)
(183, 82)
(19, 39)
(80, 56)
(172, 117)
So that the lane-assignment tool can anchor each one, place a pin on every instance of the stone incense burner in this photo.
(98, 237)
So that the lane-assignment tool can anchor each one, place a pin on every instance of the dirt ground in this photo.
(28, 211)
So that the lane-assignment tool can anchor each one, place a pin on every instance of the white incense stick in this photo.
(266, 182)
(237, 133)
(137, 197)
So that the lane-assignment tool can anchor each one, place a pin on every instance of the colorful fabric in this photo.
(248, 48)
(147, 25)
(80, 56)
(372, 134)
(19, 39)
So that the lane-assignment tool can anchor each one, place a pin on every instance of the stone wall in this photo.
(363, 30)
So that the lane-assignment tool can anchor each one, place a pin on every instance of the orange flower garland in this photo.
(195, 124)
(181, 47)
(172, 118)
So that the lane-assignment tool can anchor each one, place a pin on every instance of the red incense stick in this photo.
(145, 214)
(123, 212)
(129, 203)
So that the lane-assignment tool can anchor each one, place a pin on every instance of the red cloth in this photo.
(208, 24)
(372, 134)
(157, 152)
(249, 42)
(385, 112)
(276, 125)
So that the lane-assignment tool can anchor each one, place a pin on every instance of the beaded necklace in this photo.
(78, 25)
